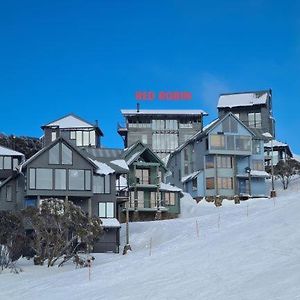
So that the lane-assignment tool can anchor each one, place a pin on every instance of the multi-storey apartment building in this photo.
(254, 109)
(65, 169)
(161, 130)
(225, 159)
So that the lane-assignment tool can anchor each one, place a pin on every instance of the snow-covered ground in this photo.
(246, 251)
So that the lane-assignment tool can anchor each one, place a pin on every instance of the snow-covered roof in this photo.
(243, 99)
(70, 121)
(121, 163)
(255, 173)
(110, 222)
(103, 169)
(9, 152)
(275, 144)
(190, 176)
(296, 157)
(169, 187)
(133, 112)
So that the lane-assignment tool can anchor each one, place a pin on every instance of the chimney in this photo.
(138, 107)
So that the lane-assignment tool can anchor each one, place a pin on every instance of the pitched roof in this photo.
(133, 112)
(112, 153)
(71, 121)
(243, 99)
(9, 152)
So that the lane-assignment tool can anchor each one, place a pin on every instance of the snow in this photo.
(275, 144)
(210, 124)
(121, 163)
(242, 99)
(128, 112)
(70, 122)
(190, 176)
(133, 157)
(169, 187)
(296, 157)
(9, 152)
(103, 169)
(255, 173)
(110, 222)
(243, 252)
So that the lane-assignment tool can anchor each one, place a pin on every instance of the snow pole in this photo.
(197, 229)
(150, 247)
(89, 267)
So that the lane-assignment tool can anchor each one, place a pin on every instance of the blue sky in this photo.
(90, 57)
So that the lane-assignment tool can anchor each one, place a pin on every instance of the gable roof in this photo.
(59, 139)
(71, 121)
(9, 152)
(206, 129)
(130, 156)
(243, 99)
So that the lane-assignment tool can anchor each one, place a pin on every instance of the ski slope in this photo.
(246, 251)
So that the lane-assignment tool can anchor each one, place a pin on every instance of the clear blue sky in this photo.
(90, 57)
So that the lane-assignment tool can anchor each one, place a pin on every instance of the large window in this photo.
(164, 125)
(169, 198)
(217, 141)
(164, 141)
(230, 125)
(54, 155)
(254, 120)
(83, 137)
(8, 163)
(225, 183)
(210, 183)
(256, 148)
(106, 210)
(41, 179)
(142, 176)
(101, 184)
(209, 161)
(224, 161)
(60, 181)
(76, 180)
(258, 165)
(243, 143)
(66, 155)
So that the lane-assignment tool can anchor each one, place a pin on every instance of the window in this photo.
(85, 137)
(87, 176)
(230, 125)
(76, 180)
(43, 179)
(15, 163)
(79, 138)
(72, 135)
(209, 161)
(143, 176)
(8, 193)
(144, 138)
(66, 155)
(106, 210)
(217, 141)
(210, 183)
(7, 163)
(54, 155)
(254, 120)
(53, 136)
(194, 184)
(153, 198)
(60, 182)
(101, 184)
(225, 183)
(224, 161)
(164, 141)
(243, 143)
(1, 162)
(169, 198)
(92, 141)
(258, 165)
(256, 149)
(230, 142)
(32, 178)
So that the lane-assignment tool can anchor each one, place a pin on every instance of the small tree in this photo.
(59, 228)
(12, 239)
(285, 170)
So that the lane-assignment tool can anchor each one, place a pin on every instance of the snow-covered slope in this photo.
(246, 251)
